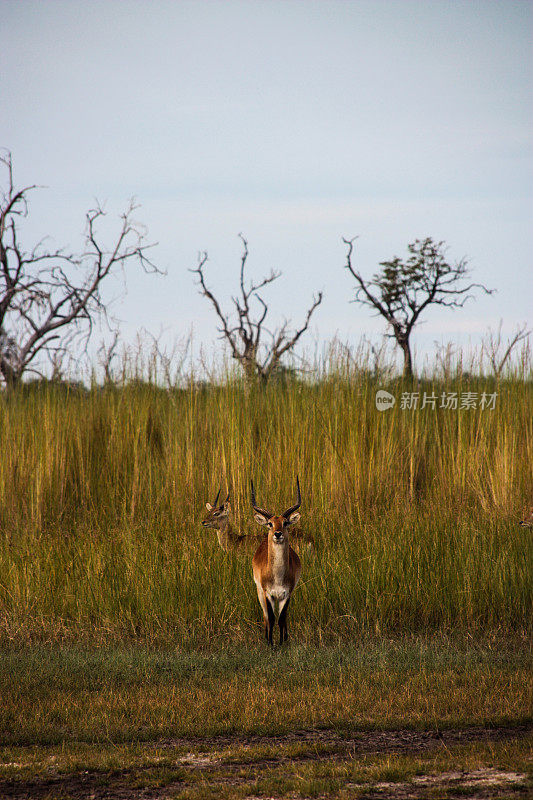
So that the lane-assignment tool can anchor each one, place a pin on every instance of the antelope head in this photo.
(277, 524)
(216, 514)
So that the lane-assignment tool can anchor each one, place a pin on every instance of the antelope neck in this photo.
(278, 552)
(224, 524)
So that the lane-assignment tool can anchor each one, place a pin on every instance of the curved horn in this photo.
(216, 498)
(257, 508)
(226, 500)
(292, 509)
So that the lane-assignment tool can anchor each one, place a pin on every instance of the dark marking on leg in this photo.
(271, 620)
(282, 622)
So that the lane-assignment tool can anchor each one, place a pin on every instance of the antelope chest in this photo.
(277, 587)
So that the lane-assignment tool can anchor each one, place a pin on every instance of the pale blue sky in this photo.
(296, 123)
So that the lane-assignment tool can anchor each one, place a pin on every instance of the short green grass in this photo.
(54, 695)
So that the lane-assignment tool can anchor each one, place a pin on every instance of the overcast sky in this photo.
(295, 123)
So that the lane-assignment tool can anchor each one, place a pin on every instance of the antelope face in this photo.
(277, 524)
(216, 514)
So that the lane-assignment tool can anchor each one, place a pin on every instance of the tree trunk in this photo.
(407, 359)
(11, 376)
(255, 375)
(250, 372)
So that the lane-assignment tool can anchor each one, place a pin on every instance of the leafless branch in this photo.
(52, 296)
(107, 352)
(246, 332)
(498, 351)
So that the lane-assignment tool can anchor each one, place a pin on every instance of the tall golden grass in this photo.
(414, 512)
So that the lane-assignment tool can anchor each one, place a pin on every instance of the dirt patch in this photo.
(197, 760)
(391, 741)
(204, 757)
(481, 784)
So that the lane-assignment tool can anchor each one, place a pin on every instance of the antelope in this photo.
(527, 522)
(218, 518)
(276, 567)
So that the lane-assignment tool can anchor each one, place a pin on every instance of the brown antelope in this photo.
(276, 567)
(527, 522)
(218, 518)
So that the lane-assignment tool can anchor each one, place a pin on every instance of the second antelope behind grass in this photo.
(276, 567)
(218, 518)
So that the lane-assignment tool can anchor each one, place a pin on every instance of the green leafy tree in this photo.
(403, 290)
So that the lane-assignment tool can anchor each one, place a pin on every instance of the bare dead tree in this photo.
(48, 298)
(170, 359)
(106, 354)
(404, 289)
(444, 356)
(258, 350)
(498, 351)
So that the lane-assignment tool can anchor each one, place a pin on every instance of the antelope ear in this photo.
(226, 508)
(260, 519)
(294, 517)
(209, 506)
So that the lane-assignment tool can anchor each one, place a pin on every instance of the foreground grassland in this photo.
(414, 512)
(131, 656)
(55, 695)
(397, 767)
(408, 718)
(389, 718)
